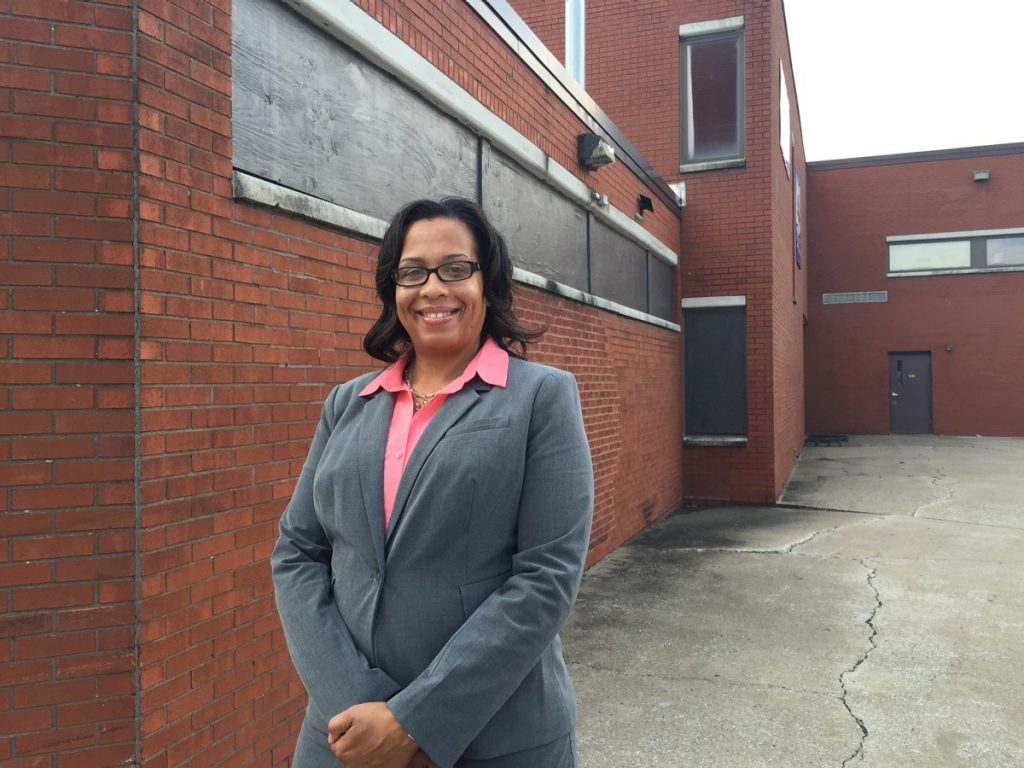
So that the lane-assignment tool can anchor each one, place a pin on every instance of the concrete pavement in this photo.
(883, 628)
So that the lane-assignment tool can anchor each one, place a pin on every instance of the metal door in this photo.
(910, 393)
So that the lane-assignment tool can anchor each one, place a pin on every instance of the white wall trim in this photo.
(965, 271)
(711, 27)
(708, 302)
(355, 28)
(715, 440)
(550, 286)
(955, 235)
(263, 192)
(268, 193)
(713, 165)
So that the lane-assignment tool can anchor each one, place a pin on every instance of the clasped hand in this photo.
(368, 736)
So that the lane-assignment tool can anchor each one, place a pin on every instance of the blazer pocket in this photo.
(478, 425)
(475, 593)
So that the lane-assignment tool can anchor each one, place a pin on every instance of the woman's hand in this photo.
(368, 736)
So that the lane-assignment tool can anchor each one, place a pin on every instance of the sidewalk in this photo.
(891, 636)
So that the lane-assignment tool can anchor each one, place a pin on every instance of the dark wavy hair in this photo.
(387, 339)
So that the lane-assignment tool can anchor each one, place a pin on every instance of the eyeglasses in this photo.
(449, 272)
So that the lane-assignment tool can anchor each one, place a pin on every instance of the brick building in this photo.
(189, 211)
(705, 90)
(191, 192)
(917, 293)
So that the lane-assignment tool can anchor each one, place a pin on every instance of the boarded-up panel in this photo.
(661, 278)
(715, 353)
(546, 233)
(618, 267)
(311, 114)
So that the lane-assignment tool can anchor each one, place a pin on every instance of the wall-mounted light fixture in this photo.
(981, 175)
(594, 152)
(643, 203)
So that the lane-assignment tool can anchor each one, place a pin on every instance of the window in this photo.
(785, 128)
(951, 252)
(711, 73)
(1004, 251)
(715, 370)
(575, 38)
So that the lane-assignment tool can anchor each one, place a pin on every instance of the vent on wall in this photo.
(855, 297)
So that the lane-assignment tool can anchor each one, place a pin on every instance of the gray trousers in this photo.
(560, 753)
(312, 751)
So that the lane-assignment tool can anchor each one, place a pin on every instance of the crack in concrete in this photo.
(858, 753)
(785, 549)
(950, 489)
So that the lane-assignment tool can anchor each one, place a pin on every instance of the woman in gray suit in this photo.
(437, 534)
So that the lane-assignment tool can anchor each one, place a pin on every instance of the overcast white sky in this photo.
(878, 77)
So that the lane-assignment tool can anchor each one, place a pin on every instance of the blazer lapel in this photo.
(373, 437)
(451, 410)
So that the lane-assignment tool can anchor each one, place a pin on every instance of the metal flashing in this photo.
(927, 156)
(955, 235)
(973, 271)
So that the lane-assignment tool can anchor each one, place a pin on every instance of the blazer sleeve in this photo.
(336, 675)
(485, 661)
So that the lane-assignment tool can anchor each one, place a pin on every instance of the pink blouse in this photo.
(490, 364)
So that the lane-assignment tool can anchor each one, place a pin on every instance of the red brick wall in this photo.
(628, 374)
(67, 585)
(632, 65)
(486, 69)
(727, 245)
(728, 251)
(737, 224)
(547, 21)
(975, 387)
(789, 282)
(245, 319)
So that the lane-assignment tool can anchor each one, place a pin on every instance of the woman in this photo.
(437, 534)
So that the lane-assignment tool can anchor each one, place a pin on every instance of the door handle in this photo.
(894, 394)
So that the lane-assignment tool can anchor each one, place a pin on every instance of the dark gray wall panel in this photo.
(715, 360)
(311, 114)
(661, 278)
(546, 233)
(618, 267)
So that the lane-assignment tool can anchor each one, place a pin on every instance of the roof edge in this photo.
(918, 157)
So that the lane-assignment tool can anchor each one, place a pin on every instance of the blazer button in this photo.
(376, 578)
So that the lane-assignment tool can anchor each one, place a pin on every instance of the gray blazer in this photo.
(452, 614)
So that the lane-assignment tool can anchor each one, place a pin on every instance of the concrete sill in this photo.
(701, 441)
(965, 271)
(713, 165)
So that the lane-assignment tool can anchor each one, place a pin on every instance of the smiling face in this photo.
(443, 320)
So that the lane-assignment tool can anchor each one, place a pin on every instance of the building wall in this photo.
(727, 250)
(547, 21)
(854, 206)
(738, 222)
(789, 279)
(67, 566)
(166, 348)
